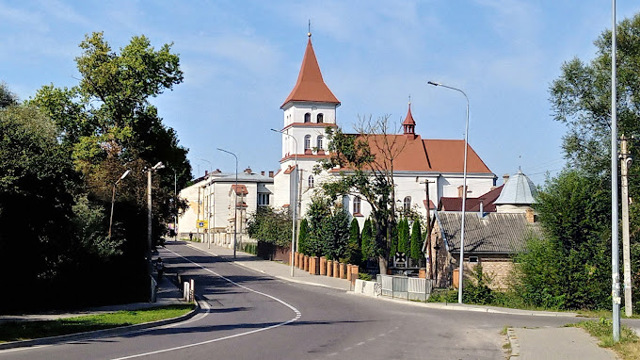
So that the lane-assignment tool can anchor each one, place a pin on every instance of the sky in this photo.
(241, 60)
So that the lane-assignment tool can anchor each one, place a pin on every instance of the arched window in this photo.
(310, 181)
(320, 118)
(307, 142)
(307, 117)
(407, 203)
(356, 205)
(319, 142)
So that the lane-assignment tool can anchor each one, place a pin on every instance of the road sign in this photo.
(202, 224)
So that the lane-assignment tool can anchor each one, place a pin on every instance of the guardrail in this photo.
(404, 287)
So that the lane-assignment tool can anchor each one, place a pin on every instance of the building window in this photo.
(307, 142)
(319, 142)
(473, 259)
(356, 205)
(407, 203)
(263, 199)
(310, 181)
(320, 118)
(307, 117)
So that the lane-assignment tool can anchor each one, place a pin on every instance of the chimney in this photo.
(271, 173)
(262, 173)
(206, 173)
(531, 216)
(505, 178)
(460, 191)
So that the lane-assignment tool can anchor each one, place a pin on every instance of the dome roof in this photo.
(518, 190)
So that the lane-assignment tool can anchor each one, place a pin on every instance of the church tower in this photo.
(308, 110)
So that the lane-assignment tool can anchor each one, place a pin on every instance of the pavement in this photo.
(550, 343)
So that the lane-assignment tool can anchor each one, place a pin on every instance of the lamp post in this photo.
(235, 205)
(155, 167)
(615, 256)
(113, 199)
(295, 205)
(464, 187)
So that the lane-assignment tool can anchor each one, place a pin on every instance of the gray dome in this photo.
(518, 190)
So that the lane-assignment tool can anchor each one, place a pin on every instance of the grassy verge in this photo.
(628, 347)
(25, 330)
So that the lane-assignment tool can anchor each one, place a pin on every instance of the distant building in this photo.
(491, 238)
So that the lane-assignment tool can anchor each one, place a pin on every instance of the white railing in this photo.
(404, 287)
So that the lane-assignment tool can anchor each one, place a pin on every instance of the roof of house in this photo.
(494, 233)
(428, 155)
(518, 190)
(310, 85)
(473, 204)
(239, 189)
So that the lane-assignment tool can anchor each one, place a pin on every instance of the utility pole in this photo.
(428, 206)
(625, 162)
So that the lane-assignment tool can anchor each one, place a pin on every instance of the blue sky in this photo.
(241, 60)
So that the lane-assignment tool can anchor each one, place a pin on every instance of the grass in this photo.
(628, 347)
(25, 330)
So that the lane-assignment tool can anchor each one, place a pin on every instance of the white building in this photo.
(311, 106)
(211, 212)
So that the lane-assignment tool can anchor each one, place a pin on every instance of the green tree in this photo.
(367, 238)
(109, 125)
(317, 214)
(571, 266)
(403, 236)
(366, 161)
(37, 182)
(335, 234)
(416, 242)
(303, 237)
(270, 226)
(354, 253)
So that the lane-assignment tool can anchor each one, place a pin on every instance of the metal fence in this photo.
(404, 287)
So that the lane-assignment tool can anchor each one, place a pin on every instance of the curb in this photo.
(284, 278)
(97, 333)
(513, 341)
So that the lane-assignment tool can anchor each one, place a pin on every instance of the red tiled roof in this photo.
(472, 204)
(241, 189)
(408, 120)
(431, 205)
(310, 85)
(415, 154)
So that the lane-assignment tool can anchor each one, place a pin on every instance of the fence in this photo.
(404, 287)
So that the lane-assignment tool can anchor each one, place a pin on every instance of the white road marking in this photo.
(296, 311)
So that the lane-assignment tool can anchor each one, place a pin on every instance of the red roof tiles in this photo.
(310, 85)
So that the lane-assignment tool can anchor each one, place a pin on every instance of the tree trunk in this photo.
(383, 264)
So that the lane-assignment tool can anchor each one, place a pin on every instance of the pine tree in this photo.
(416, 242)
(403, 236)
(353, 250)
(303, 237)
(366, 242)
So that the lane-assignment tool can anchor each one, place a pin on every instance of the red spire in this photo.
(409, 124)
(310, 85)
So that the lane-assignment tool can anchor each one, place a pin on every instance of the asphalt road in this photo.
(247, 315)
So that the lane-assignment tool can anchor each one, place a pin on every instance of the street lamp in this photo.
(155, 167)
(295, 205)
(464, 187)
(615, 256)
(235, 207)
(113, 199)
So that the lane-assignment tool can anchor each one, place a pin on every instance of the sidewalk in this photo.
(549, 343)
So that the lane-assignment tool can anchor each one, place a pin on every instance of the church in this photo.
(425, 171)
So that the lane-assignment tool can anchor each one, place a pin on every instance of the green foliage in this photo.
(335, 235)
(366, 240)
(416, 242)
(569, 269)
(250, 248)
(403, 236)
(270, 226)
(319, 210)
(354, 253)
(303, 237)
(477, 291)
